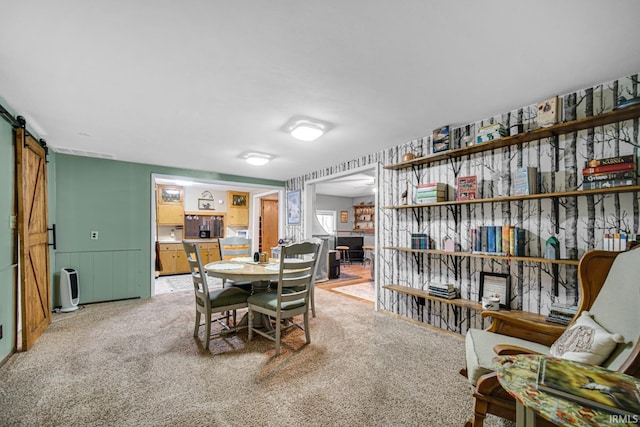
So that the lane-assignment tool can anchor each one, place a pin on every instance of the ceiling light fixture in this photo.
(257, 159)
(306, 128)
(306, 131)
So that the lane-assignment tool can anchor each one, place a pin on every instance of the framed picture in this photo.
(440, 139)
(293, 207)
(344, 216)
(239, 200)
(206, 205)
(495, 284)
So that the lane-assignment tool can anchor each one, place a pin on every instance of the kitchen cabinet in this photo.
(169, 205)
(170, 215)
(174, 258)
(237, 209)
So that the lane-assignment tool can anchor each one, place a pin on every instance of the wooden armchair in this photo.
(609, 289)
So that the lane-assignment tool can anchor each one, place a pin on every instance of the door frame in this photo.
(230, 186)
(309, 209)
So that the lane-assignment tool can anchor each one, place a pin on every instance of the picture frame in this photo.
(239, 200)
(495, 284)
(344, 216)
(206, 205)
(440, 139)
(293, 207)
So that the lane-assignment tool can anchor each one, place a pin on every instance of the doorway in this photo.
(345, 193)
(268, 223)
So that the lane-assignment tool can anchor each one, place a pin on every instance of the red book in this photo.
(609, 168)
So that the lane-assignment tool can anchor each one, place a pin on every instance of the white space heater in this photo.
(69, 290)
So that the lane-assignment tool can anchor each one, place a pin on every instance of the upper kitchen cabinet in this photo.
(170, 206)
(170, 195)
(237, 209)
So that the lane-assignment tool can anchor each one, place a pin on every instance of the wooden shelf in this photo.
(421, 293)
(487, 256)
(574, 193)
(461, 303)
(547, 132)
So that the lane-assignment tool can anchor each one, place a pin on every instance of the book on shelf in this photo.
(629, 158)
(608, 168)
(610, 175)
(608, 183)
(591, 386)
(526, 181)
(467, 187)
(419, 241)
(442, 290)
(562, 313)
(426, 200)
(617, 241)
(495, 240)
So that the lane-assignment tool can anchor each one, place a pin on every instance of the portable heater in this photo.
(69, 290)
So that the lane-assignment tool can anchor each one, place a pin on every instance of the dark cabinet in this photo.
(211, 226)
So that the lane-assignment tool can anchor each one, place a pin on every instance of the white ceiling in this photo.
(195, 83)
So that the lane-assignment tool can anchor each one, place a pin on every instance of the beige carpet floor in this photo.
(135, 363)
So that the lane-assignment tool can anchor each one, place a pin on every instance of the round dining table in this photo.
(244, 269)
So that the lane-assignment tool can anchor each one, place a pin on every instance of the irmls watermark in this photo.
(624, 419)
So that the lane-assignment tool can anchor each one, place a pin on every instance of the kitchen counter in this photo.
(212, 240)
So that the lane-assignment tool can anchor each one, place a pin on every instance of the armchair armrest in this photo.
(523, 325)
(507, 349)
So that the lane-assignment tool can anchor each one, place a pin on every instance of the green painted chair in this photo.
(292, 295)
(235, 247)
(208, 303)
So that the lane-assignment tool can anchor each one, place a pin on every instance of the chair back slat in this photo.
(200, 285)
(234, 246)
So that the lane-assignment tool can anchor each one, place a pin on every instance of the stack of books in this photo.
(498, 240)
(442, 290)
(610, 172)
(617, 241)
(419, 241)
(432, 192)
(526, 181)
(561, 313)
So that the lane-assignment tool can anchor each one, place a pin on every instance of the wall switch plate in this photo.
(12, 222)
(94, 235)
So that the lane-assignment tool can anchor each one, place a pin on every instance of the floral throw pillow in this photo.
(585, 341)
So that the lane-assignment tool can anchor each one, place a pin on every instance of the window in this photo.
(328, 221)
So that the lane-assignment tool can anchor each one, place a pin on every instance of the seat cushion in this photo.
(226, 296)
(479, 349)
(269, 300)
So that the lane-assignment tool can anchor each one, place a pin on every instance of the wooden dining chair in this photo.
(235, 247)
(220, 301)
(292, 295)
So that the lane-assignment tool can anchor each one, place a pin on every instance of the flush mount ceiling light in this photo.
(257, 159)
(306, 129)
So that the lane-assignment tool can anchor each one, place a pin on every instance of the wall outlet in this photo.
(94, 235)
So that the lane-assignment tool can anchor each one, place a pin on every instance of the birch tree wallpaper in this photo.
(578, 222)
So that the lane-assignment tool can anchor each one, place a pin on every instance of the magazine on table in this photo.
(591, 386)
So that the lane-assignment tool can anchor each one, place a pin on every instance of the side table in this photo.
(518, 376)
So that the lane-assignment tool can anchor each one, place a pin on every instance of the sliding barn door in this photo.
(35, 289)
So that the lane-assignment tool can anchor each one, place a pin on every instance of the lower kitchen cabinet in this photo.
(174, 258)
